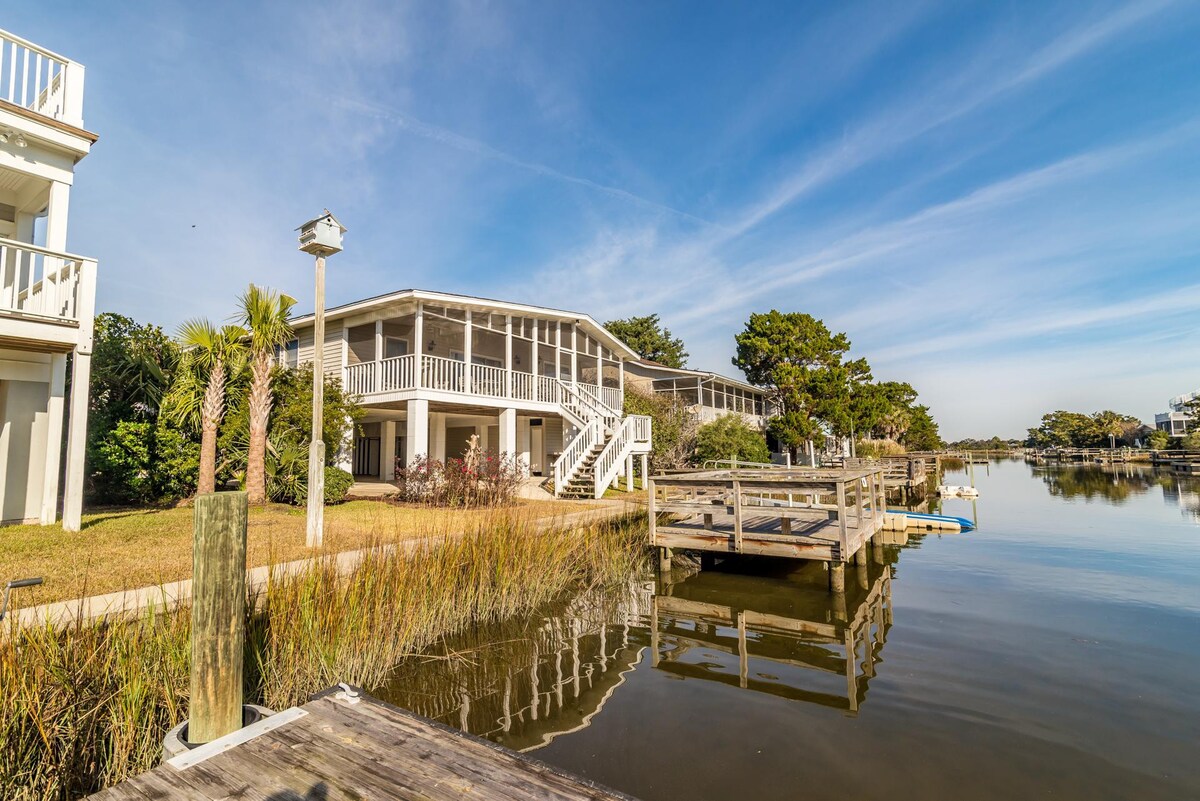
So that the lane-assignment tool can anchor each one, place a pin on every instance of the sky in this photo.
(997, 202)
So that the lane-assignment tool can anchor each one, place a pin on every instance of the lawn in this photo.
(120, 549)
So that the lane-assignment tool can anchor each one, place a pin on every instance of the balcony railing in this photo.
(450, 375)
(41, 81)
(42, 283)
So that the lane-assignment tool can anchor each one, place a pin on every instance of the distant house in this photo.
(433, 370)
(47, 295)
(1177, 421)
(709, 395)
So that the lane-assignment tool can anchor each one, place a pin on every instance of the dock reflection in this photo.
(789, 640)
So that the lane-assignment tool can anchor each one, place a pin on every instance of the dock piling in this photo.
(218, 615)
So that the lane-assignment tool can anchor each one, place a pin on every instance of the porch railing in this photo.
(41, 81)
(41, 283)
(451, 375)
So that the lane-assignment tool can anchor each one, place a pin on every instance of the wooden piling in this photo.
(837, 577)
(664, 560)
(218, 615)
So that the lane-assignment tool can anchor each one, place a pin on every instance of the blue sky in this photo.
(997, 202)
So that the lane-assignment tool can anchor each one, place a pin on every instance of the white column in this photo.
(508, 361)
(467, 354)
(56, 216)
(599, 366)
(621, 379)
(645, 469)
(574, 353)
(417, 431)
(629, 473)
(387, 451)
(81, 376)
(508, 433)
(54, 429)
(345, 351)
(379, 355)
(418, 346)
(536, 367)
(557, 350)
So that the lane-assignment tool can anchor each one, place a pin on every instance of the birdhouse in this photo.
(322, 236)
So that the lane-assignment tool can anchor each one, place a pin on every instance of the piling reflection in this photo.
(794, 640)
(523, 685)
(1116, 484)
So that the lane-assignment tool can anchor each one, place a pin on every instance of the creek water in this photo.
(1052, 653)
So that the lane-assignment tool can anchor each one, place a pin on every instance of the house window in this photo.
(394, 346)
(486, 361)
(291, 354)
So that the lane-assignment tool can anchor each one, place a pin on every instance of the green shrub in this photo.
(140, 463)
(337, 483)
(730, 436)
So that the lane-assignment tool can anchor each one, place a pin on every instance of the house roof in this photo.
(476, 304)
(701, 374)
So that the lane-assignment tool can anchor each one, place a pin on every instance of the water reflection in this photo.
(1118, 483)
(789, 641)
(523, 684)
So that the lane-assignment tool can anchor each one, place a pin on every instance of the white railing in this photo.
(487, 381)
(601, 398)
(40, 282)
(398, 373)
(641, 427)
(43, 82)
(523, 385)
(548, 389)
(441, 373)
(608, 463)
(576, 454)
(359, 379)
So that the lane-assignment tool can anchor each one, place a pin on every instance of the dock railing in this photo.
(756, 511)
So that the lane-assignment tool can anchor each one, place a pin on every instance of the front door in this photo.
(537, 448)
(366, 456)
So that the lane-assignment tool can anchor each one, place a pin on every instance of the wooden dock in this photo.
(342, 746)
(797, 513)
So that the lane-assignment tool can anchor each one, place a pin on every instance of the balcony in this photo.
(39, 81)
(439, 374)
(44, 294)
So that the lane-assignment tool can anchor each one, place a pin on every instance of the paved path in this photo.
(163, 597)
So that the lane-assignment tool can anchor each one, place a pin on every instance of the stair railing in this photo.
(576, 454)
(583, 404)
(633, 429)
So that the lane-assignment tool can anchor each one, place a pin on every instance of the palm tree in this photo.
(264, 312)
(211, 356)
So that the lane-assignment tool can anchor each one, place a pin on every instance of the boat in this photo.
(963, 492)
(962, 522)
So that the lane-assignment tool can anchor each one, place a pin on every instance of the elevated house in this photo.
(709, 395)
(432, 369)
(47, 295)
(1178, 420)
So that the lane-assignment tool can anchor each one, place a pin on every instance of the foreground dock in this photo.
(346, 746)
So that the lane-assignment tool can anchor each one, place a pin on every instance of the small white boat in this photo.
(962, 492)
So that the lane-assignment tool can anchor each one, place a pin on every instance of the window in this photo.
(394, 346)
(487, 361)
(291, 354)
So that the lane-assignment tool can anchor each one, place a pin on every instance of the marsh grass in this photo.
(83, 708)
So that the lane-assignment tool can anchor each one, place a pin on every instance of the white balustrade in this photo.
(641, 427)
(36, 79)
(548, 389)
(40, 282)
(359, 379)
(439, 373)
(487, 381)
(523, 385)
(575, 454)
(397, 373)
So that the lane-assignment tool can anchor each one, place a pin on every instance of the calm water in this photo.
(1051, 653)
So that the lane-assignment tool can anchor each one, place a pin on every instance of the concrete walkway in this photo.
(164, 597)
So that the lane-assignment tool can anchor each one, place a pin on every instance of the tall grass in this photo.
(83, 708)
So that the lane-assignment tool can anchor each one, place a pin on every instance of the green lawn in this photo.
(124, 548)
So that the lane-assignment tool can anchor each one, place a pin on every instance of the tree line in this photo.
(173, 416)
(1063, 429)
(809, 379)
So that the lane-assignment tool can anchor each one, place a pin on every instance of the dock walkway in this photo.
(340, 747)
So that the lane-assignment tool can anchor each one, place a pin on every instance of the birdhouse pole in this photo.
(320, 237)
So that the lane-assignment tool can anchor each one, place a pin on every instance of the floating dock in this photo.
(342, 746)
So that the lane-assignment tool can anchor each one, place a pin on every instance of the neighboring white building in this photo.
(1178, 421)
(709, 395)
(433, 369)
(47, 296)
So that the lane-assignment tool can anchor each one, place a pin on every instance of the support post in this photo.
(418, 345)
(651, 498)
(664, 560)
(629, 473)
(416, 442)
(468, 342)
(54, 427)
(316, 450)
(81, 377)
(379, 355)
(837, 577)
(218, 615)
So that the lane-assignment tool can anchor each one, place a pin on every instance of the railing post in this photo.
(73, 94)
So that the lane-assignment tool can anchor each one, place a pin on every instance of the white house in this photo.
(709, 395)
(434, 369)
(1178, 421)
(47, 295)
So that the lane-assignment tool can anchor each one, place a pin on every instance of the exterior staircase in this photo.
(606, 438)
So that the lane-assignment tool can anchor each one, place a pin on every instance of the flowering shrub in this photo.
(476, 479)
